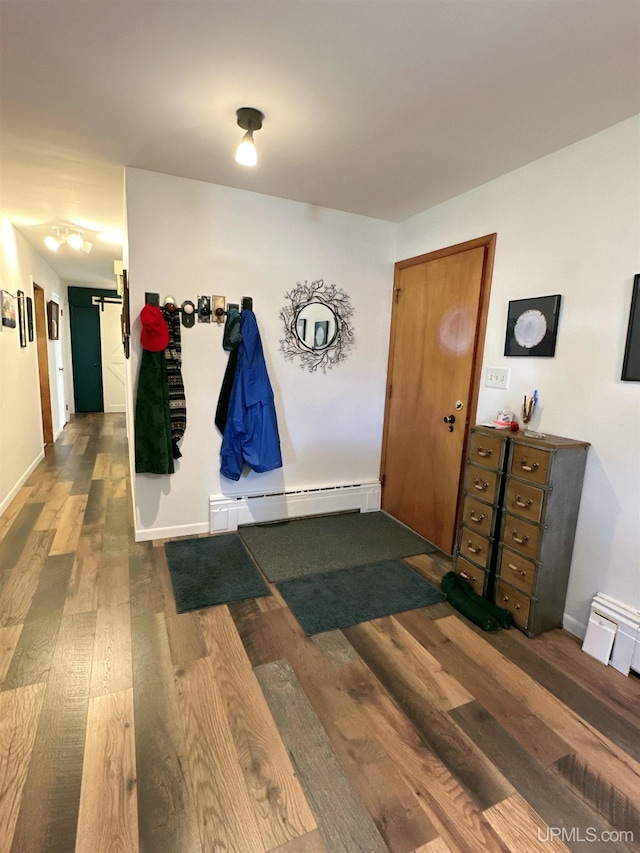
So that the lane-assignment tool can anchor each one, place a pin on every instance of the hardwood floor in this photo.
(125, 727)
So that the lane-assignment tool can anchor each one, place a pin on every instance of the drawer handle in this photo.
(481, 485)
(515, 604)
(476, 518)
(519, 539)
(467, 577)
(525, 467)
(472, 549)
(516, 570)
(524, 504)
(482, 452)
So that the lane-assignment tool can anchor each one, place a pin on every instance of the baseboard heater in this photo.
(613, 634)
(228, 513)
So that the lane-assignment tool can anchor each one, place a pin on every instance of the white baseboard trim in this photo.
(227, 514)
(573, 626)
(170, 532)
(14, 491)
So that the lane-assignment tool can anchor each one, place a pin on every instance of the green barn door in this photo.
(85, 352)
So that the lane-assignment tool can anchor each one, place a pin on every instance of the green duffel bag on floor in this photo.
(479, 610)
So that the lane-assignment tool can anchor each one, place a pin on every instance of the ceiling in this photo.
(377, 107)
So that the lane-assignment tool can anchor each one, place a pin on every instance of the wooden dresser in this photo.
(534, 510)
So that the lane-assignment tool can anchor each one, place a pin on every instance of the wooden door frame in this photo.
(40, 312)
(488, 242)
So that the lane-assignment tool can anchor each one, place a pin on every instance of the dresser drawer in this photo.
(482, 483)
(486, 450)
(521, 535)
(478, 516)
(515, 601)
(475, 547)
(475, 577)
(523, 499)
(517, 570)
(530, 463)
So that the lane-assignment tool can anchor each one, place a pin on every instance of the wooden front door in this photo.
(435, 357)
(87, 360)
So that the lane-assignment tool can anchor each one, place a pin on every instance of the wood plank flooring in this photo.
(127, 728)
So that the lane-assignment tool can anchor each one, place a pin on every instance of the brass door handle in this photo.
(482, 452)
(481, 485)
(472, 549)
(516, 570)
(476, 518)
(531, 467)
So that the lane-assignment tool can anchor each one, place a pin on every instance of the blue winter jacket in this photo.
(251, 432)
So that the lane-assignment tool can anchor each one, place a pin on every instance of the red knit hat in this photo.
(155, 332)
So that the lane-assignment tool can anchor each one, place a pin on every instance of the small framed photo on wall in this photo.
(631, 363)
(532, 326)
(8, 309)
(22, 319)
(30, 318)
(53, 320)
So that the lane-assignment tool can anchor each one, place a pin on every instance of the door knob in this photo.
(450, 419)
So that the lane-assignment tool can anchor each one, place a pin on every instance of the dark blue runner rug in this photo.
(345, 597)
(210, 571)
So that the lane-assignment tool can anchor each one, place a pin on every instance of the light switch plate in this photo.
(497, 377)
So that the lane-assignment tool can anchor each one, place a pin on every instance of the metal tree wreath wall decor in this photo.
(317, 326)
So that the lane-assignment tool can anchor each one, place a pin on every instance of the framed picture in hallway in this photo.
(532, 326)
(22, 319)
(30, 318)
(8, 309)
(631, 363)
(53, 320)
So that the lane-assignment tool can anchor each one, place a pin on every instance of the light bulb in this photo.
(246, 154)
(52, 243)
(76, 241)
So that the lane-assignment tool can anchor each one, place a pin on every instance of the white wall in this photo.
(187, 238)
(568, 224)
(21, 441)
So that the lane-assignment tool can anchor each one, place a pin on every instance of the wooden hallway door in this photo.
(435, 358)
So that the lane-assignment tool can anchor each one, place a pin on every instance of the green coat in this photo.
(154, 452)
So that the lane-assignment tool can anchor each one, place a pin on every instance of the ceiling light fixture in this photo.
(52, 243)
(74, 239)
(249, 119)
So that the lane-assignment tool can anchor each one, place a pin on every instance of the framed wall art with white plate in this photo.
(532, 326)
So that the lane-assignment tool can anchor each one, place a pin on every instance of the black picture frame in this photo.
(22, 318)
(126, 316)
(532, 326)
(53, 320)
(631, 361)
(30, 318)
(8, 309)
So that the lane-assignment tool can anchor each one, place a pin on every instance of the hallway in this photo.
(125, 727)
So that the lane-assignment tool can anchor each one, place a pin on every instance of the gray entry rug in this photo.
(214, 570)
(349, 596)
(308, 546)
